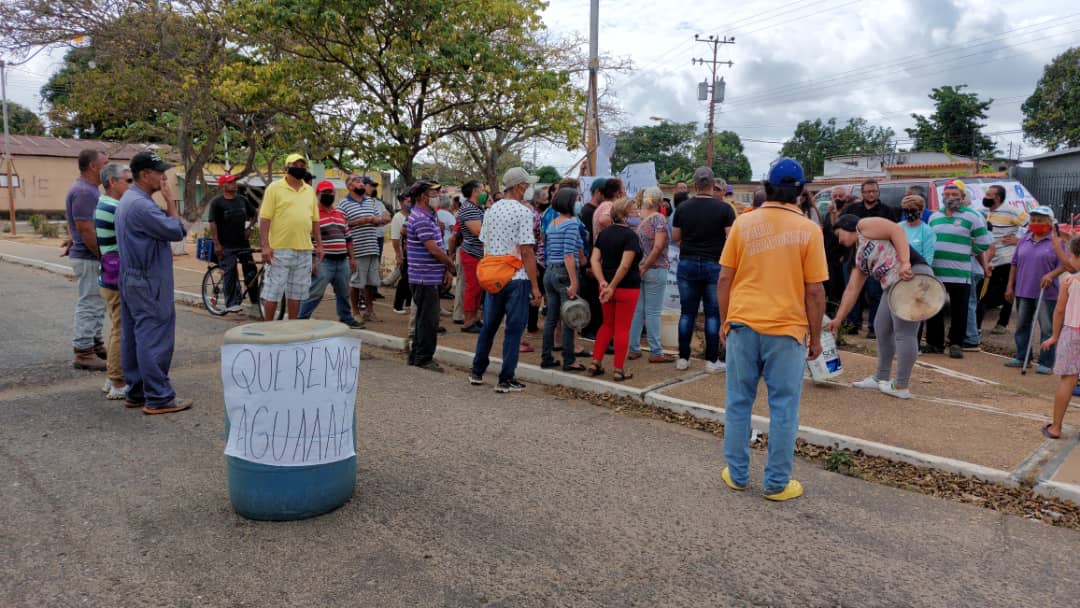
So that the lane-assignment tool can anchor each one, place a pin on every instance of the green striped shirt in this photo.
(105, 224)
(959, 239)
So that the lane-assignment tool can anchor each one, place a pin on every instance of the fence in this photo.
(1059, 191)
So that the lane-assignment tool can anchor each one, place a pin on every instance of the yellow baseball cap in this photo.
(292, 158)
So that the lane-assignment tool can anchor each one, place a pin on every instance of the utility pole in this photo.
(7, 148)
(592, 117)
(715, 43)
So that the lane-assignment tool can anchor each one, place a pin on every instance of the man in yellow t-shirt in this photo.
(288, 225)
(771, 294)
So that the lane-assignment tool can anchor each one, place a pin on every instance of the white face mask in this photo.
(529, 193)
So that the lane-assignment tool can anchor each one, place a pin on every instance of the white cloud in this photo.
(822, 58)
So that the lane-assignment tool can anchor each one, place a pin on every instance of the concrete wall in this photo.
(44, 182)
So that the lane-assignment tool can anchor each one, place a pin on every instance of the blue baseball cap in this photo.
(786, 172)
(1043, 210)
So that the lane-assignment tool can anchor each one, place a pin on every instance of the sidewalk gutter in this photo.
(60, 269)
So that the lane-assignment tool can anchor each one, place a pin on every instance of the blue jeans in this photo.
(697, 283)
(556, 282)
(513, 303)
(1025, 316)
(972, 335)
(649, 306)
(781, 360)
(331, 272)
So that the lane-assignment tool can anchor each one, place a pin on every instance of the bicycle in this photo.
(213, 288)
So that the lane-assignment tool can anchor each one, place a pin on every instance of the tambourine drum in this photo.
(918, 299)
(575, 313)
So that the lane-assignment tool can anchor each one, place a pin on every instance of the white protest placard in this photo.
(638, 176)
(671, 290)
(291, 404)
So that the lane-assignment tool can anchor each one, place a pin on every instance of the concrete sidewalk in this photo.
(971, 416)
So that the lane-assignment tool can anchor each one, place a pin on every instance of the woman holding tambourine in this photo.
(882, 251)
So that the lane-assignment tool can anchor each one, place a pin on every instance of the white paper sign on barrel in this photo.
(291, 404)
(671, 290)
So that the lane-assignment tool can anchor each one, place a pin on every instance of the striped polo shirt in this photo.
(563, 239)
(958, 239)
(365, 237)
(1004, 221)
(424, 269)
(105, 224)
(470, 242)
(334, 231)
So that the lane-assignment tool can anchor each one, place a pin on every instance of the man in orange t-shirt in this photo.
(771, 294)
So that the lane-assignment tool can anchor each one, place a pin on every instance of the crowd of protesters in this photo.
(763, 275)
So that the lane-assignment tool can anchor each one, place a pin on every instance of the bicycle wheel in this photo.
(213, 291)
(279, 314)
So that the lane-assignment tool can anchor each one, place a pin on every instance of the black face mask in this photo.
(326, 199)
(912, 214)
(297, 172)
(989, 202)
(360, 192)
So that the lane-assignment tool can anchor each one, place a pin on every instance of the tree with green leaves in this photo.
(1052, 112)
(164, 73)
(955, 126)
(23, 121)
(816, 140)
(411, 73)
(729, 161)
(547, 175)
(668, 144)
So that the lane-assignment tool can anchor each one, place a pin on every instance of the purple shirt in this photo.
(1033, 260)
(80, 203)
(424, 269)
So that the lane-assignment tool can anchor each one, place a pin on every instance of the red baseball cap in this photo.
(226, 179)
(324, 185)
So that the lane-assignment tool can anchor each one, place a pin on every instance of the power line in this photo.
(860, 71)
(804, 96)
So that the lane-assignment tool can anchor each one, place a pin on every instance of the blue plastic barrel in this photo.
(259, 487)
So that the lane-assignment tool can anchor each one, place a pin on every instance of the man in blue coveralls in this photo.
(148, 313)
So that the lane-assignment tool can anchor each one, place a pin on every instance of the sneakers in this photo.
(956, 352)
(726, 476)
(792, 490)
(475, 380)
(235, 308)
(116, 394)
(178, 405)
(999, 330)
(931, 350)
(401, 311)
(715, 367)
(472, 329)
(871, 335)
(970, 348)
(354, 324)
(682, 364)
(889, 388)
(1042, 369)
(869, 382)
(1014, 362)
(431, 366)
(511, 386)
(87, 359)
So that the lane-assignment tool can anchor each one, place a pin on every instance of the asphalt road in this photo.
(464, 498)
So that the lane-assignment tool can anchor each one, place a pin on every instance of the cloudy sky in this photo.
(797, 60)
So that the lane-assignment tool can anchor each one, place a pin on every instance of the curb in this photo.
(535, 374)
(538, 375)
(828, 438)
(1057, 489)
